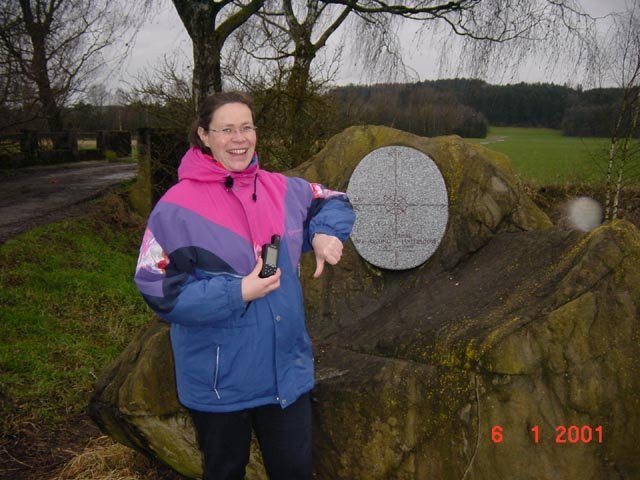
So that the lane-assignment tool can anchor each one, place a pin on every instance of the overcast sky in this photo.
(165, 34)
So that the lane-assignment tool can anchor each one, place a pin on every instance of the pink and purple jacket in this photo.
(201, 239)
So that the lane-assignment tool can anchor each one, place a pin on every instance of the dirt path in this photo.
(37, 195)
(493, 139)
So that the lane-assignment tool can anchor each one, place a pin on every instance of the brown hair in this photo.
(208, 107)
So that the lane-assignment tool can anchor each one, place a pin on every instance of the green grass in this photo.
(68, 307)
(87, 144)
(543, 156)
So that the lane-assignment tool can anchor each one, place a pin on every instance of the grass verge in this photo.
(68, 307)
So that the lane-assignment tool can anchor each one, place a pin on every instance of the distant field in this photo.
(543, 156)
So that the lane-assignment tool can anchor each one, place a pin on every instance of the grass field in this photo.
(543, 156)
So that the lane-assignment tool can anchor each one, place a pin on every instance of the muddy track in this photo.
(35, 196)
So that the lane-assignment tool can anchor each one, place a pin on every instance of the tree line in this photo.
(467, 106)
(415, 108)
(464, 107)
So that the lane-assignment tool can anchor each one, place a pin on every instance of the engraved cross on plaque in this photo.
(401, 203)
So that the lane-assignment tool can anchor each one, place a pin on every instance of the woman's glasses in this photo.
(246, 130)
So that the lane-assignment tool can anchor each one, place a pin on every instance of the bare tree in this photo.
(290, 34)
(477, 36)
(623, 55)
(485, 23)
(53, 47)
(278, 51)
(293, 33)
(302, 31)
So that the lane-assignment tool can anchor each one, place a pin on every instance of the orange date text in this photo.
(564, 434)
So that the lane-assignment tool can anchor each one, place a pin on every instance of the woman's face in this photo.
(231, 136)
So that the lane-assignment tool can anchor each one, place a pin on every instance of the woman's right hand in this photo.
(254, 287)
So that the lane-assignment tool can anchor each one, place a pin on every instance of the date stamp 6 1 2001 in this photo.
(570, 434)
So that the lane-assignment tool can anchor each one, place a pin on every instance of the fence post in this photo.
(100, 143)
(72, 142)
(117, 141)
(159, 153)
(29, 145)
(143, 141)
(166, 149)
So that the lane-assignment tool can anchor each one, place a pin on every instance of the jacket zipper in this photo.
(215, 373)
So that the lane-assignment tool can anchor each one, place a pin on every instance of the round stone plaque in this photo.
(401, 205)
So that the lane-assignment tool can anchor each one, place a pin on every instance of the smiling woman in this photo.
(242, 354)
(231, 136)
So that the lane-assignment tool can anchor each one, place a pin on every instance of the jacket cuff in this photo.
(234, 292)
(327, 230)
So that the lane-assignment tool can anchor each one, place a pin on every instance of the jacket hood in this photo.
(196, 165)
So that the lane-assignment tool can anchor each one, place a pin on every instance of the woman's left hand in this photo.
(253, 286)
(327, 248)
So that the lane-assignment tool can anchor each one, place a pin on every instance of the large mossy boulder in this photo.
(535, 329)
(514, 327)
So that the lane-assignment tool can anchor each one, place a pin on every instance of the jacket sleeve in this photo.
(329, 212)
(180, 294)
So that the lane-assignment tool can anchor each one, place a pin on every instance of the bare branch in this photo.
(58, 46)
(422, 10)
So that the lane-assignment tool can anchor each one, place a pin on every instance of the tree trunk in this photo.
(302, 130)
(626, 146)
(207, 74)
(299, 124)
(199, 18)
(46, 94)
(39, 68)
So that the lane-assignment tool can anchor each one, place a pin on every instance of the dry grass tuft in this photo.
(103, 459)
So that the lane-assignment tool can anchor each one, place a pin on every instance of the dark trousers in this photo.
(284, 436)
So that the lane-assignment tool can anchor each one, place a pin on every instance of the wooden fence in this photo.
(31, 147)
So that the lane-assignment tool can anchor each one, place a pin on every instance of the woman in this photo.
(242, 353)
